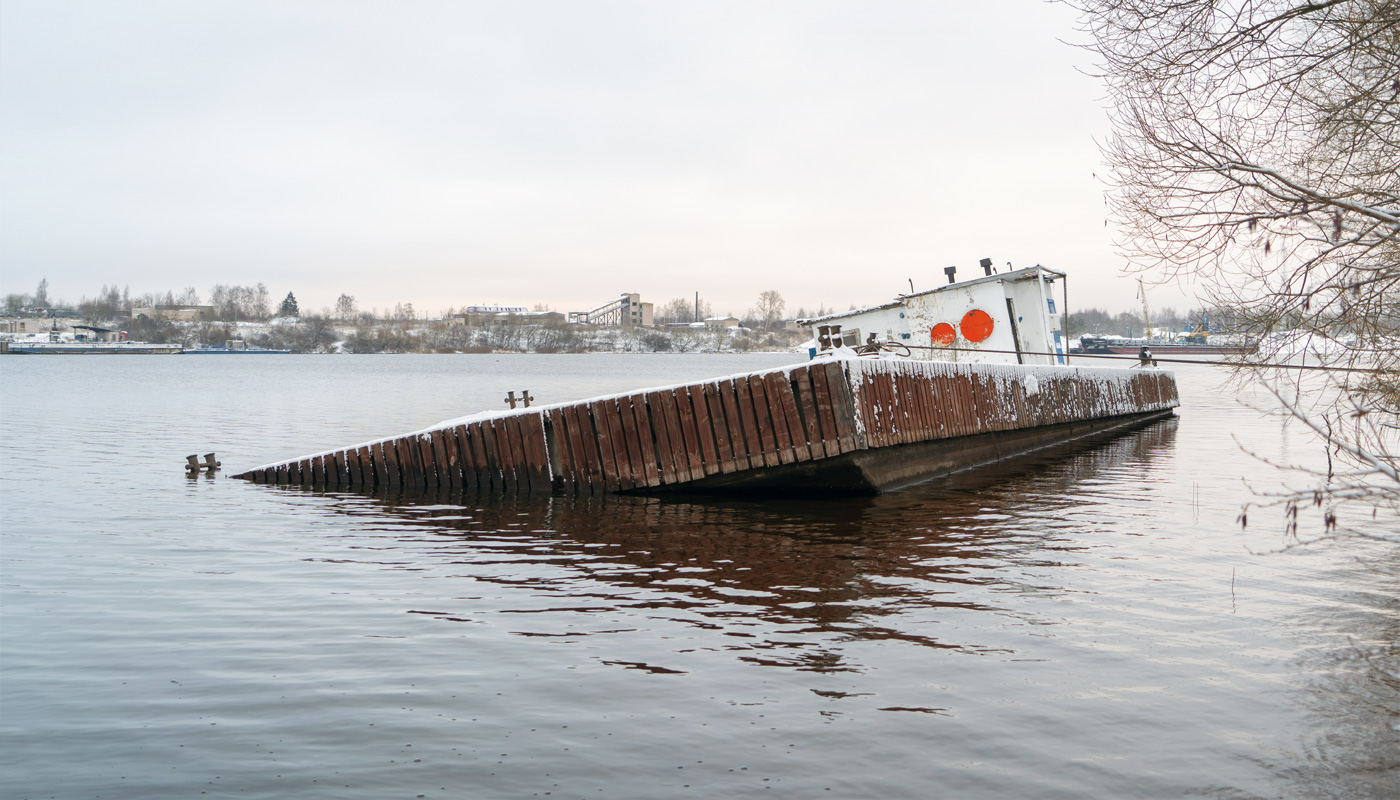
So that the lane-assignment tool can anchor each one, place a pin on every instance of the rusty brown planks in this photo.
(631, 441)
(361, 467)
(688, 439)
(473, 457)
(667, 472)
(843, 406)
(490, 454)
(646, 440)
(763, 417)
(704, 428)
(445, 452)
(438, 444)
(511, 438)
(459, 456)
(780, 394)
(425, 458)
(532, 439)
(724, 445)
(560, 464)
(727, 397)
(748, 420)
(602, 434)
(826, 416)
(583, 450)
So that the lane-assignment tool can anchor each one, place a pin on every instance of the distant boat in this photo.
(234, 346)
(84, 348)
(1103, 345)
(86, 340)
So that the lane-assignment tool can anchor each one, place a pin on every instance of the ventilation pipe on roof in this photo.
(950, 272)
(986, 266)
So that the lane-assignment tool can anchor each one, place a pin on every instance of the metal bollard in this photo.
(193, 466)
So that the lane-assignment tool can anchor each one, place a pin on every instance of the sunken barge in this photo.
(842, 425)
(855, 419)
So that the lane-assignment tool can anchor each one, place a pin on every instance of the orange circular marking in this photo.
(942, 334)
(976, 325)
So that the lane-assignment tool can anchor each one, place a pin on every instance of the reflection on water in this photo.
(787, 579)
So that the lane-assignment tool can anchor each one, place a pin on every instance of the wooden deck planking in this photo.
(583, 451)
(646, 439)
(563, 468)
(392, 467)
(724, 441)
(536, 451)
(631, 440)
(753, 441)
(661, 433)
(685, 419)
(763, 416)
(607, 460)
(927, 429)
(912, 384)
(807, 412)
(445, 478)
(466, 466)
(426, 458)
(474, 455)
(670, 414)
(373, 470)
(780, 384)
(514, 436)
(612, 420)
(878, 388)
(495, 472)
(504, 456)
(704, 428)
(844, 409)
(826, 416)
(903, 404)
(400, 473)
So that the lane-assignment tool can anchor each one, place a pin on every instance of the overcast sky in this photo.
(452, 153)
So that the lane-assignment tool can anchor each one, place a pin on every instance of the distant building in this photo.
(176, 313)
(488, 309)
(92, 333)
(497, 315)
(721, 323)
(627, 310)
(27, 325)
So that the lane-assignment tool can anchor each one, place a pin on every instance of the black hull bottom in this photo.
(871, 472)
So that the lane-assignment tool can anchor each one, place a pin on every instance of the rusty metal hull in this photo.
(853, 426)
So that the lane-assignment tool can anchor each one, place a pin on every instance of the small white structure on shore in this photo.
(1010, 317)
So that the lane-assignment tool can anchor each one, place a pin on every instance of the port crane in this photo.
(1146, 315)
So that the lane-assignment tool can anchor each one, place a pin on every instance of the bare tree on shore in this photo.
(1255, 149)
(769, 310)
(345, 308)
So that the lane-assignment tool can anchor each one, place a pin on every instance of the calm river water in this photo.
(1089, 623)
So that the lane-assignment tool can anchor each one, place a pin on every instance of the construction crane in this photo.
(1146, 315)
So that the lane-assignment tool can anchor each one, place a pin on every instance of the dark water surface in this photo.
(1088, 623)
